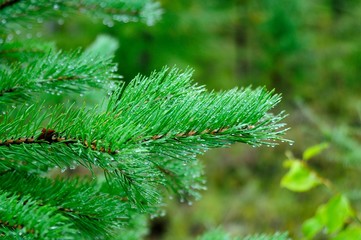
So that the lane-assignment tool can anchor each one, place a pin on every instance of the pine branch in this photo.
(20, 13)
(54, 73)
(23, 51)
(98, 216)
(136, 229)
(149, 129)
(21, 216)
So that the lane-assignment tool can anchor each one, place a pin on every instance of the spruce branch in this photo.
(20, 12)
(149, 130)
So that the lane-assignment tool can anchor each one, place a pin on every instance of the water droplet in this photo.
(108, 22)
(9, 37)
(162, 213)
(60, 21)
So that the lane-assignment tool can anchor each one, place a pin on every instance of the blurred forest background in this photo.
(309, 51)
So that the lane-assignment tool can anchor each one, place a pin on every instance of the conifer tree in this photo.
(139, 144)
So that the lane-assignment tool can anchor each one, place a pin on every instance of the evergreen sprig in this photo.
(80, 204)
(55, 72)
(21, 216)
(144, 138)
(15, 14)
(23, 51)
(148, 136)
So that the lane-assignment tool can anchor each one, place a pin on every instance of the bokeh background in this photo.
(307, 50)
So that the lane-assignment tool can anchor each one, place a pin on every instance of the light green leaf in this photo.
(311, 227)
(314, 150)
(349, 233)
(299, 178)
(334, 213)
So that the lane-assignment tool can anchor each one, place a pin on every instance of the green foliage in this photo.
(331, 216)
(139, 144)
